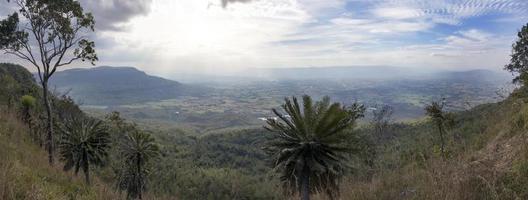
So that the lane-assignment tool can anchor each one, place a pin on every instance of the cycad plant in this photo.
(137, 150)
(83, 143)
(310, 144)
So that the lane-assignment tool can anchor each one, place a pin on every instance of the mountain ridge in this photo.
(107, 85)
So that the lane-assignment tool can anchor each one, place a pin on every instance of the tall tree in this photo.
(310, 144)
(53, 35)
(519, 57)
(137, 150)
(84, 143)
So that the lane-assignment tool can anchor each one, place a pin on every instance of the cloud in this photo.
(396, 13)
(446, 12)
(114, 15)
(226, 2)
(474, 40)
(168, 36)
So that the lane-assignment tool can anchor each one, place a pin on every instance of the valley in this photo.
(215, 106)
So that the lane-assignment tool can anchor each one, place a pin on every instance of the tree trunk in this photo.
(49, 125)
(139, 177)
(86, 168)
(87, 176)
(442, 145)
(305, 184)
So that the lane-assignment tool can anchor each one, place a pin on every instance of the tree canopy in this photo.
(54, 34)
(519, 57)
(311, 142)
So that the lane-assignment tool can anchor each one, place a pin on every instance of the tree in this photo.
(381, 117)
(137, 150)
(28, 103)
(310, 144)
(84, 143)
(441, 119)
(519, 58)
(52, 37)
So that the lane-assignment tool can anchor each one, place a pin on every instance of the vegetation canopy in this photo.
(519, 57)
(137, 150)
(311, 142)
(52, 34)
(84, 142)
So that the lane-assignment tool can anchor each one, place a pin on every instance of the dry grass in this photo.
(494, 167)
(26, 174)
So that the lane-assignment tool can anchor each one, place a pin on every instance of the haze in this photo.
(165, 37)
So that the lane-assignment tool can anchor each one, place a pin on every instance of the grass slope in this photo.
(26, 174)
(488, 159)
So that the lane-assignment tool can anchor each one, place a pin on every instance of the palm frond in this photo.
(312, 142)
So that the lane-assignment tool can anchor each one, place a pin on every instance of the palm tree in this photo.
(84, 142)
(137, 149)
(310, 144)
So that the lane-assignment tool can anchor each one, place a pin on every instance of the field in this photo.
(240, 105)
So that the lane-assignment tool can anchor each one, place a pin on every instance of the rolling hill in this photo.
(119, 85)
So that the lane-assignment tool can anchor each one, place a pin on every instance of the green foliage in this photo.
(58, 22)
(513, 183)
(10, 89)
(16, 81)
(137, 151)
(57, 27)
(519, 58)
(11, 38)
(442, 120)
(84, 142)
(26, 174)
(28, 104)
(66, 109)
(20, 74)
(311, 142)
(28, 101)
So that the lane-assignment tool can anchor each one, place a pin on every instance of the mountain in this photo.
(118, 85)
(17, 72)
(340, 73)
(376, 73)
(343, 73)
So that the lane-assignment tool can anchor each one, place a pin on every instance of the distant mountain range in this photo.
(126, 85)
(119, 85)
(340, 73)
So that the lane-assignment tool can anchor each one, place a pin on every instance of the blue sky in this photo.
(167, 36)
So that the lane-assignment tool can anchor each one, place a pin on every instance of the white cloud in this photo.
(396, 12)
(167, 36)
(445, 12)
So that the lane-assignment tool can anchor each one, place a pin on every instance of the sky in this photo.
(214, 36)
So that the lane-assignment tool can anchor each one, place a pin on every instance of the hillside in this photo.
(18, 74)
(119, 85)
(487, 159)
(25, 172)
(27, 175)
